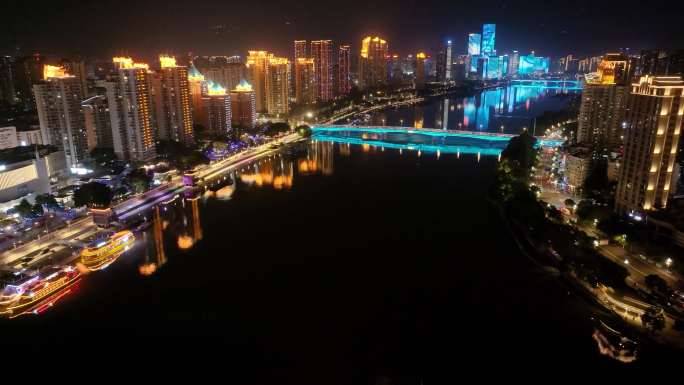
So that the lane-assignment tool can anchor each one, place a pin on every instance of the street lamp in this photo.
(668, 262)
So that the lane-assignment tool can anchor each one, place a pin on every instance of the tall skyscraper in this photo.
(653, 126)
(243, 106)
(514, 63)
(420, 70)
(257, 61)
(277, 81)
(28, 70)
(172, 99)
(98, 122)
(661, 62)
(77, 68)
(602, 109)
(304, 81)
(445, 62)
(7, 93)
(300, 50)
(344, 69)
(198, 88)
(474, 43)
(130, 107)
(321, 52)
(217, 110)
(488, 39)
(58, 101)
(373, 62)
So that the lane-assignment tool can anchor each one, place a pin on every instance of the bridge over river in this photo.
(424, 139)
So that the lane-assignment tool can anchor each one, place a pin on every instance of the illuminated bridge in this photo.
(552, 84)
(424, 139)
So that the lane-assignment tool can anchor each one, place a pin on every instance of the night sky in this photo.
(144, 28)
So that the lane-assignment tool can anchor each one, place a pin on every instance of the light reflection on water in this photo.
(511, 107)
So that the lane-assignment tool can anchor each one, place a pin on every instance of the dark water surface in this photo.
(345, 264)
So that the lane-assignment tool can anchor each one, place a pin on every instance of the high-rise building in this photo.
(321, 52)
(98, 122)
(243, 106)
(277, 81)
(420, 70)
(198, 88)
(474, 44)
(58, 101)
(227, 72)
(488, 39)
(28, 70)
(300, 50)
(602, 109)
(514, 63)
(218, 114)
(77, 68)
(444, 62)
(661, 62)
(131, 110)
(344, 69)
(7, 94)
(173, 109)
(304, 81)
(653, 126)
(373, 62)
(257, 61)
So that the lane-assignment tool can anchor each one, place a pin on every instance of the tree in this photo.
(24, 208)
(138, 180)
(276, 128)
(93, 195)
(570, 204)
(48, 200)
(521, 155)
(653, 318)
(103, 154)
(656, 283)
(304, 130)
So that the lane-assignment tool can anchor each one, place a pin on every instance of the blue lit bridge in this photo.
(550, 84)
(423, 139)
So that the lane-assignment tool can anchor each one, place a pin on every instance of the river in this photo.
(337, 263)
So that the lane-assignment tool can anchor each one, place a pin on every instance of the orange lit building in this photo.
(344, 69)
(304, 81)
(243, 106)
(321, 53)
(172, 100)
(373, 62)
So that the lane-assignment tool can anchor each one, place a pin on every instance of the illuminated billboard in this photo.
(474, 40)
(530, 64)
(488, 39)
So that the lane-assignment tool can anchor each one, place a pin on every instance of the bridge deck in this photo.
(431, 132)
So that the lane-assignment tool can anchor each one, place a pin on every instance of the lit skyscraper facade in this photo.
(373, 62)
(420, 70)
(173, 102)
(257, 62)
(602, 110)
(344, 69)
(217, 110)
(304, 81)
(130, 108)
(277, 82)
(300, 50)
(321, 52)
(513, 63)
(474, 42)
(445, 62)
(488, 39)
(58, 101)
(198, 87)
(243, 106)
(653, 127)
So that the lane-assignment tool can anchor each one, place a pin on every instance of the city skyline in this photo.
(578, 28)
